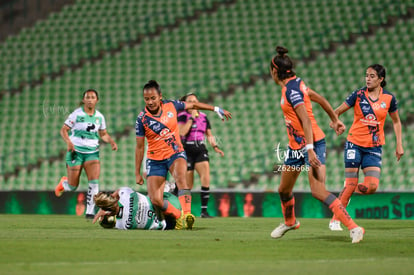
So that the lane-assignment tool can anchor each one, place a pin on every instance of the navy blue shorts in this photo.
(299, 157)
(161, 167)
(356, 156)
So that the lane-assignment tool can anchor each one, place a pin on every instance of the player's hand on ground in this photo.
(98, 215)
(139, 179)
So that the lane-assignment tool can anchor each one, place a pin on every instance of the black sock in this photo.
(205, 195)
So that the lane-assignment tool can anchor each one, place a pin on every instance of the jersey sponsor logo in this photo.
(90, 127)
(80, 119)
(365, 109)
(164, 134)
(370, 120)
(130, 221)
(364, 101)
(156, 127)
(287, 121)
(152, 122)
(350, 154)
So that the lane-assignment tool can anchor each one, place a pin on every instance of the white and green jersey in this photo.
(85, 130)
(136, 212)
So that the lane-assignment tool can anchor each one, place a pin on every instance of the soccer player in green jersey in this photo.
(86, 126)
(133, 210)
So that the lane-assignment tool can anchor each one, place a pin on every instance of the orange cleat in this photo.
(59, 188)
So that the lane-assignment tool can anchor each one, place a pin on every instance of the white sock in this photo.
(92, 191)
(67, 186)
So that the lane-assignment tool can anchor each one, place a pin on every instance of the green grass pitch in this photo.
(64, 244)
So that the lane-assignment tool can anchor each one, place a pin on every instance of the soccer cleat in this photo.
(189, 221)
(335, 225)
(357, 234)
(59, 188)
(205, 215)
(180, 222)
(89, 216)
(279, 231)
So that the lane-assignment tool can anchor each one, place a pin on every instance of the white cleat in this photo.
(357, 234)
(335, 225)
(279, 231)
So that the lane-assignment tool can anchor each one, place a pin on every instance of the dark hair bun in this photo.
(281, 50)
(152, 82)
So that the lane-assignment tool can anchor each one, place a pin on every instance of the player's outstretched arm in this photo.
(203, 106)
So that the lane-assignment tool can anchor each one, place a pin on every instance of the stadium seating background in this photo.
(218, 49)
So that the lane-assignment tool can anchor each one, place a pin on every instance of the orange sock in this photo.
(340, 212)
(184, 196)
(346, 193)
(169, 209)
(288, 209)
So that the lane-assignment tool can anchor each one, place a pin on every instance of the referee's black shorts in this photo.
(196, 152)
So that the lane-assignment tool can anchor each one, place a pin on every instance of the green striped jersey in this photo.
(136, 212)
(85, 130)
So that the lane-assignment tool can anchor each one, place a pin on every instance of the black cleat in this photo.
(205, 215)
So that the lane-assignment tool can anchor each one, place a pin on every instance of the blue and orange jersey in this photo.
(294, 94)
(367, 130)
(161, 131)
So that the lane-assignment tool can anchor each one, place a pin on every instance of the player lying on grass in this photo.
(133, 210)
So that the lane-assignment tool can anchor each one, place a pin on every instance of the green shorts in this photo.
(173, 200)
(76, 158)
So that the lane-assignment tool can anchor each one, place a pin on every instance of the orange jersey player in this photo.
(306, 146)
(161, 131)
(294, 94)
(363, 147)
(158, 124)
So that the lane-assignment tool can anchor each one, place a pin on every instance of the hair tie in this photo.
(274, 64)
(288, 71)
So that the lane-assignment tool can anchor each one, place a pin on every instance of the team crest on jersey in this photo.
(383, 105)
(170, 114)
(97, 121)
